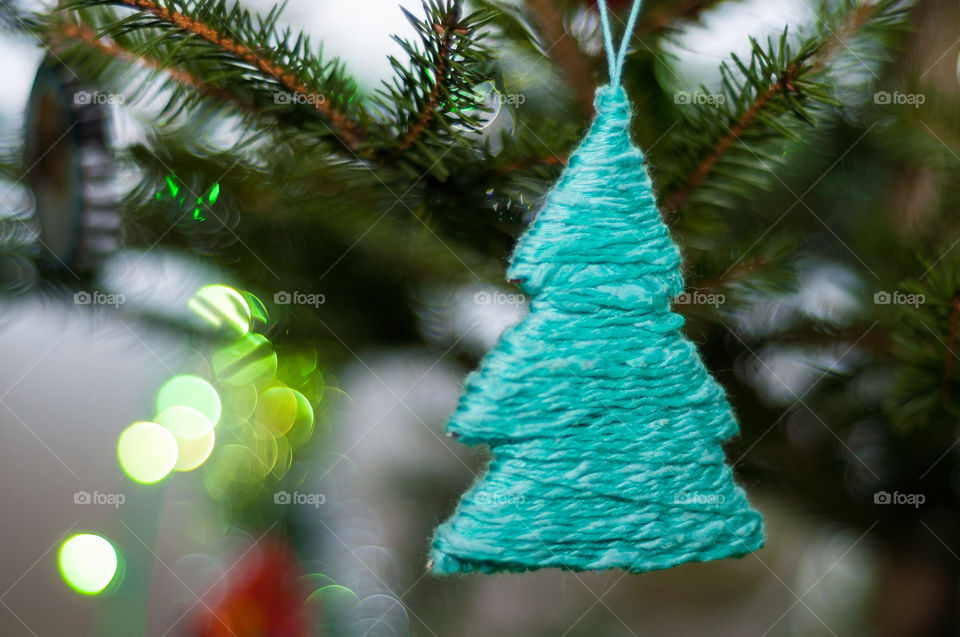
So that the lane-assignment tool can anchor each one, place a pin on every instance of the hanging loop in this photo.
(615, 60)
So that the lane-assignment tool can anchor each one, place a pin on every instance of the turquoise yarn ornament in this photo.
(604, 425)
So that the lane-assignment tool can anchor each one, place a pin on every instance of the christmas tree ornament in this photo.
(71, 170)
(604, 425)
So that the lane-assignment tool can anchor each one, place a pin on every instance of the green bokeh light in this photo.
(88, 563)
(246, 360)
(302, 428)
(190, 391)
(147, 452)
(222, 307)
(194, 434)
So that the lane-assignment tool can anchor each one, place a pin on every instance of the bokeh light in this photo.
(194, 434)
(277, 410)
(147, 452)
(88, 563)
(302, 428)
(239, 401)
(190, 391)
(222, 307)
(246, 360)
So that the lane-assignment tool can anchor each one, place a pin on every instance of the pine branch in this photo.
(447, 28)
(347, 128)
(229, 47)
(707, 164)
(924, 335)
(431, 103)
(83, 33)
(769, 92)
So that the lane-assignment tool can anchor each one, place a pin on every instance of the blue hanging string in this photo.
(608, 39)
(615, 61)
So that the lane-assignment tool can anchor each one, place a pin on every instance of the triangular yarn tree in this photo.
(604, 425)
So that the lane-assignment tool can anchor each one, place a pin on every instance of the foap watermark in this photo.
(110, 499)
(911, 499)
(696, 297)
(500, 499)
(899, 99)
(98, 298)
(699, 97)
(299, 298)
(96, 97)
(311, 499)
(511, 99)
(299, 98)
(498, 298)
(898, 298)
(699, 499)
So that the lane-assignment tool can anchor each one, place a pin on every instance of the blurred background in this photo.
(230, 345)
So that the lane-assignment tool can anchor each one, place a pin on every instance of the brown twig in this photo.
(854, 21)
(951, 347)
(523, 164)
(449, 27)
(663, 17)
(741, 271)
(345, 128)
(89, 37)
(706, 166)
(563, 48)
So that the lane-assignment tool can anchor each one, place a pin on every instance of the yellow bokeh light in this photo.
(147, 452)
(194, 434)
(276, 410)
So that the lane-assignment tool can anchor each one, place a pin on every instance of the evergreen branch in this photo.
(86, 35)
(774, 83)
(431, 103)
(920, 333)
(256, 60)
(447, 28)
(707, 164)
(347, 128)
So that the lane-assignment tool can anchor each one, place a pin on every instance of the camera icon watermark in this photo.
(284, 297)
(699, 97)
(898, 298)
(111, 499)
(915, 500)
(84, 297)
(312, 99)
(82, 98)
(311, 499)
(696, 297)
(897, 98)
(498, 298)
